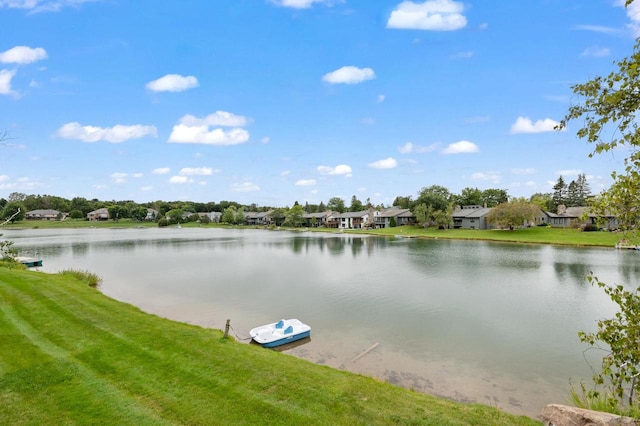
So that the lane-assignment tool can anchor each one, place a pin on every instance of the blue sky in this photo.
(276, 101)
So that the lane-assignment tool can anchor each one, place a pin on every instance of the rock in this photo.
(563, 415)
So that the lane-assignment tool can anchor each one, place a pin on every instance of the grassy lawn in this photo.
(70, 355)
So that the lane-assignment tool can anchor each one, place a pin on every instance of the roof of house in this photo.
(316, 215)
(353, 214)
(43, 212)
(469, 213)
(256, 215)
(395, 212)
(103, 210)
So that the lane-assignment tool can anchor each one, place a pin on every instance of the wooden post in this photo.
(226, 328)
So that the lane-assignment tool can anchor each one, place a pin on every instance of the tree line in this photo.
(433, 205)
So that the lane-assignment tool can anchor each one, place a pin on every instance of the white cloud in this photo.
(527, 171)
(596, 51)
(306, 182)
(569, 172)
(300, 4)
(525, 125)
(245, 187)
(265, 140)
(116, 134)
(36, 6)
(462, 55)
(409, 148)
(341, 169)
(218, 118)
(462, 147)
(197, 171)
(119, 177)
(633, 13)
(387, 163)
(434, 15)
(173, 83)
(381, 98)
(285, 173)
(179, 179)
(22, 55)
(368, 121)
(137, 175)
(161, 171)
(202, 134)
(349, 75)
(192, 129)
(494, 177)
(146, 188)
(5, 81)
(596, 28)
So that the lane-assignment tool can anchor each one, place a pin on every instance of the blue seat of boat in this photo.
(280, 324)
(289, 330)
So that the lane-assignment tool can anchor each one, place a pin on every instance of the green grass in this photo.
(70, 355)
(536, 234)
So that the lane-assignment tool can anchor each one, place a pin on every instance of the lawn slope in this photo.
(70, 355)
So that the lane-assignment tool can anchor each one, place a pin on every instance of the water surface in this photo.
(473, 321)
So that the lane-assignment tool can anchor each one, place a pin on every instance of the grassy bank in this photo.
(537, 235)
(70, 355)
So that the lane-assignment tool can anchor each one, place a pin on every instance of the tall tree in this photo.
(469, 197)
(436, 196)
(492, 197)
(402, 202)
(605, 103)
(559, 193)
(511, 215)
(336, 204)
(294, 216)
(356, 205)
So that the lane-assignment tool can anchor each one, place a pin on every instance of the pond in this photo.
(472, 321)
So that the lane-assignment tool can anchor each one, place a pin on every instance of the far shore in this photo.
(535, 235)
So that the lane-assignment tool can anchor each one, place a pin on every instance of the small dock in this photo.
(29, 262)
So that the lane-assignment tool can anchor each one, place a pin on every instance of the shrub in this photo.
(590, 228)
(86, 277)
(163, 222)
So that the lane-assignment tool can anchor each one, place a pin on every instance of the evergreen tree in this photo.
(559, 193)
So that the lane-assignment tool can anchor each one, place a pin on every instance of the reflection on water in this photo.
(474, 321)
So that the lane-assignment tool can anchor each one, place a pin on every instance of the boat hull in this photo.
(29, 262)
(280, 333)
(286, 340)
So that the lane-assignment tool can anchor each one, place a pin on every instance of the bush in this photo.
(590, 228)
(163, 222)
(86, 277)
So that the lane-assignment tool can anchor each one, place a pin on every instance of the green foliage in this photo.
(511, 215)
(336, 204)
(620, 373)
(7, 252)
(294, 216)
(356, 205)
(435, 196)
(76, 214)
(610, 103)
(117, 212)
(392, 222)
(138, 213)
(277, 216)
(13, 210)
(85, 277)
(163, 222)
